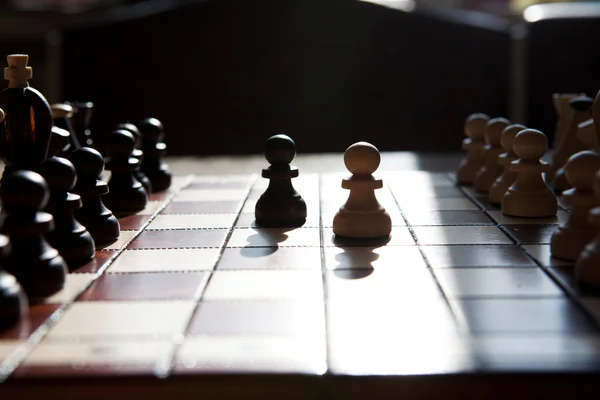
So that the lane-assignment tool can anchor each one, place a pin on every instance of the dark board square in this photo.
(458, 217)
(258, 318)
(201, 207)
(548, 315)
(179, 239)
(145, 286)
(476, 256)
(271, 258)
(217, 185)
(36, 316)
(530, 233)
(100, 258)
(133, 222)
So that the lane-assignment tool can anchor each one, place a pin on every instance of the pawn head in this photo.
(280, 149)
(508, 136)
(530, 144)
(120, 143)
(362, 158)
(24, 191)
(59, 173)
(493, 131)
(475, 125)
(581, 103)
(1, 115)
(581, 168)
(88, 162)
(152, 129)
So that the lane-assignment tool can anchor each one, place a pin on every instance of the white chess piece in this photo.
(587, 266)
(362, 216)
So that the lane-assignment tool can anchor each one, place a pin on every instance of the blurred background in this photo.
(223, 75)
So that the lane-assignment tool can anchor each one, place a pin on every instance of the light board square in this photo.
(192, 221)
(165, 260)
(442, 235)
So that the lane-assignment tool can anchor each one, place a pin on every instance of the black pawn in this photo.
(154, 148)
(139, 154)
(37, 265)
(13, 301)
(99, 220)
(280, 205)
(126, 194)
(72, 240)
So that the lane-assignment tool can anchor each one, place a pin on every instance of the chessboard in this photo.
(194, 299)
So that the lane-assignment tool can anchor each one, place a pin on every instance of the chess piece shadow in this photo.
(346, 270)
(258, 252)
(267, 238)
(342, 241)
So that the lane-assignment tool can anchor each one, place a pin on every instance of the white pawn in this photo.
(508, 177)
(530, 196)
(473, 144)
(569, 239)
(491, 170)
(362, 216)
(587, 266)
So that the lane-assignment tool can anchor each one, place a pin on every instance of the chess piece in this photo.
(99, 220)
(154, 148)
(473, 144)
(362, 216)
(139, 155)
(563, 115)
(126, 195)
(586, 133)
(507, 178)
(28, 118)
(280, 205)
(596, 119)
(587, 266)
(72, 240)
(581, 110)
(60, 141)
(569, 239)
(80, 121)
(36, 265)
(491, 170)
(530, 196)
(13, 301)
(62, 114)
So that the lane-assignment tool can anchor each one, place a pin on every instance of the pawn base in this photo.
(498, 190)
(13, 302)
(76, 248)
(465, 175)
(105, 228)
(586, 268)
(540, 204)
(363, 225)
(486, 177)
(566, 244)
(160, 179)
(144, 180)
(39, 277)
(126, 202)
(277, 212)
(560, 183)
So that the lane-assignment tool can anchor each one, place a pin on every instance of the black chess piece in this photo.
(280, 205)
(37, 265)
(80, 121)
(72, 240)
(60, 142)
(99, 220)
(62, 114)
(13, 301)
(139, 154)
(26, 131)
(154, 148)
(126, 194)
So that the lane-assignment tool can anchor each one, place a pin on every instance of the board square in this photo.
(542, 315)
(502, 219)
(267, 258)
(269, 237)
(151, 208)
(218, 184)
(133, 222)
(254, 354)
(450, 235)
(529, 233)
(384, 257)
(497, 282)
(74, 285)
(146, 286)
(565, 275)
(425, 191)
(412, 204)
(592, 304)
(385, 285)
(165, 239)
(107, 355)
(476, 256)
(7, 347)
(455, 217)
(201, 207)
(271, 318)
(210, 195)
(400, 236)
(92, 320)
(265, 285)
(165, 260)
(541, 253)
(192, 221)
(247, 220)
(124, 238)
(100, 259)
(35, 317)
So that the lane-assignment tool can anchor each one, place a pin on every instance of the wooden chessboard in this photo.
(194, 300)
